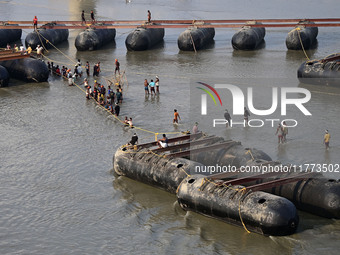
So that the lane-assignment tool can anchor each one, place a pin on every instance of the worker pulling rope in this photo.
(243, 190)
(139, 128)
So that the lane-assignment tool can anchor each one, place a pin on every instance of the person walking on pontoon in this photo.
(149, 16)
(92, 17)
(83, 21)
(35, 23)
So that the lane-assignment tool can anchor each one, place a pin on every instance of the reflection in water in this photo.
(250, 53)
(56, 146)
(152, 206)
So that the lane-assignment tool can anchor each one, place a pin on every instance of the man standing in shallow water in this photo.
(152, 87)
(326, 139)
(176, 117)
(227, 117)
(146, 87)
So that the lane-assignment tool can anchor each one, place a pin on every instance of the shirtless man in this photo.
(279, 133)
(117, 64)
(146, 87)
(176, 117)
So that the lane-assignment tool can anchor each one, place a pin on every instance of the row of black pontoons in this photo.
(192, 39)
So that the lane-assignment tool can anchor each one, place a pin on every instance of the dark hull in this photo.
(93, 39)
(27, 69)
(9, 35)
(4, 77)
(315, 195)
(307, 34)
(261, 212)
(195, 38)
(248, 38)
(55, 36)
(144, 38)
(320, 73)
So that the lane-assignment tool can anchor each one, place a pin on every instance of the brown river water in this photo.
(58, 193)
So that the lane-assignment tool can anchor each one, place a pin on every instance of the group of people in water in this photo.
(152, 85)
(109, 98)
(67, 73)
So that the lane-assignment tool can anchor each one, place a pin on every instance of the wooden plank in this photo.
(186, 145)
(211, 147)
(170, 140)
(280, 182)
(176, 21)
(240, 181)
(184, 26)
(13, 57)
(337, 57)
(6, 52)
(244, 20)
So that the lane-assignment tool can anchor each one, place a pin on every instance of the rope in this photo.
(139, 128)
(251, 154)
(303, 48)
(243, 190)
(239, 209)
(38, 33)
(74, 62)
(193, 43)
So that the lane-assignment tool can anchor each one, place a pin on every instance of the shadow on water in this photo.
(145, 56)
(298, 55)
(211, 232)
(330, 86)
(158, 46)
(109, 48)
(63, 45)
(250, 53)
(208, 46)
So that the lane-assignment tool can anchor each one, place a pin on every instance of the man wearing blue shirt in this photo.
(152, 87)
